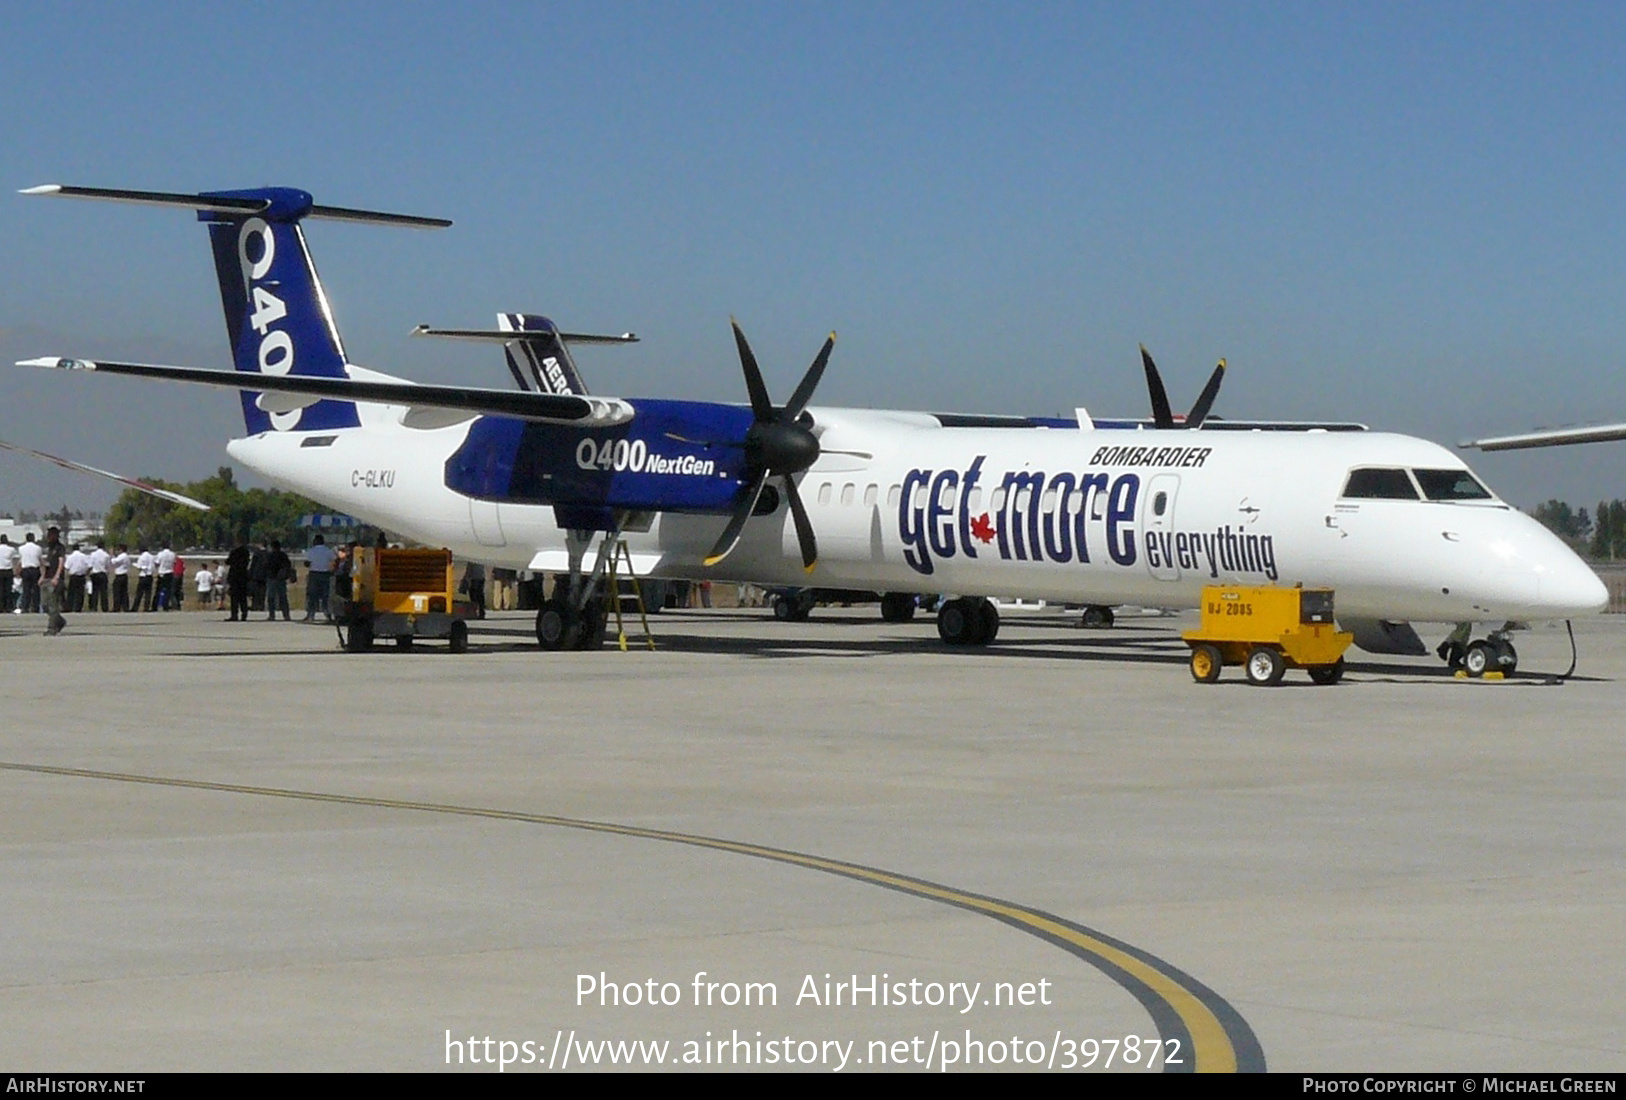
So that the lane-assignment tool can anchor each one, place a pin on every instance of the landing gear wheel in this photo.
(1507, 658)
(987, 623)
(1265, 667)
(1479, 659)
(957, 622)
(361, 637)
(1328, 674)
(1206, 663)
(1096, 616)
(1452, 654)
(458, 640)
(897, 607)
(793, 607)
(557, 627)
(403, 641)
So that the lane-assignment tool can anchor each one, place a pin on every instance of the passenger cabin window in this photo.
(869, 497)
(1380, 485)
(1451, 485)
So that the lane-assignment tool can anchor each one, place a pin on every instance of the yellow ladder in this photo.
(618, 555)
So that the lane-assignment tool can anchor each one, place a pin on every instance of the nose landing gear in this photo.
(1493, 653)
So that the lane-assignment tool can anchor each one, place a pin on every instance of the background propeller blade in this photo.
(1205, 401)
(1162, 416)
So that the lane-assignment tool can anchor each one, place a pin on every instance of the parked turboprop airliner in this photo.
(545, 478)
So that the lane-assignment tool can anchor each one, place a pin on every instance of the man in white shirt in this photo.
(8, 570)
(318, 578)
(78, 572)
(100, 559)
(145, 564)
(28, 557)
(166, 594)
(120, 564)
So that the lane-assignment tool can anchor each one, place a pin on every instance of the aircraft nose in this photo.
(1572, 588)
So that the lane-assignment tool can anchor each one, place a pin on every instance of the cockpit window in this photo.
(1451, 485)
(1372, 484)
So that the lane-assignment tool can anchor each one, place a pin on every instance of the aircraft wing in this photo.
(583, 411)
(1554, 437)
(69, 464)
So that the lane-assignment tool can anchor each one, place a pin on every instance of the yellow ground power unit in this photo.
(1267, 631)
(403, 594)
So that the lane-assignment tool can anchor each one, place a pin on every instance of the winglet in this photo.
(51, 362)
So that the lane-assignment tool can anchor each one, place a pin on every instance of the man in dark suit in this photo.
(237, 568)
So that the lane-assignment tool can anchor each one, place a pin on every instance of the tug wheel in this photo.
(1206, 663)
(1265, 667)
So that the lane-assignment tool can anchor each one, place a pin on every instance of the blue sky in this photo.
(1404, 214)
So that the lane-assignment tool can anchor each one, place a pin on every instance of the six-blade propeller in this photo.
(779, 444)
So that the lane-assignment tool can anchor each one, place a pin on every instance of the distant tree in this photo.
(1562, 520)
(139, 519)
(1609, 531)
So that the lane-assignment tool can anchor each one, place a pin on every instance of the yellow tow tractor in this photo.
(403, 594)
(1267, 631)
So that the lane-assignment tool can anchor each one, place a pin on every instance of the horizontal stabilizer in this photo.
(503, 337)
(542, 407)
(231, 206)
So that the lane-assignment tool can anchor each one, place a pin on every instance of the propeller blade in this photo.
(1205, 401)
(761, 405)
(704, 442)
(810, 380)
(736, 523)
(804, 526)
(1162, 417)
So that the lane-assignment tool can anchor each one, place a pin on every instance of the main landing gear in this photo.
(968, 620)
(1097, 617)
(574, 616)
(1493, 653)
(560, 625)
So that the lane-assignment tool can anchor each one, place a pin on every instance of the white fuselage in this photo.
(1114, 517)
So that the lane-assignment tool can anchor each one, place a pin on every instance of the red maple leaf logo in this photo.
(981, 529)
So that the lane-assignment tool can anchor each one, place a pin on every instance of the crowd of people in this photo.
(54, 579)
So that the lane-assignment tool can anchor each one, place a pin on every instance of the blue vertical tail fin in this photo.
(542, 362)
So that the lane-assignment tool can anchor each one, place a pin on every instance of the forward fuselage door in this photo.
(1162, 553)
